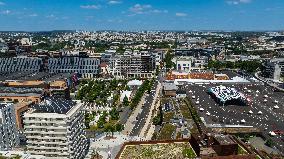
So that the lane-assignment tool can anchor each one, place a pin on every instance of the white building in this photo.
(9, 136)
(183, 64)
(55, 128)
(19, 64)
(84, 66)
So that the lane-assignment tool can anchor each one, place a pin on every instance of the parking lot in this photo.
(265, 110)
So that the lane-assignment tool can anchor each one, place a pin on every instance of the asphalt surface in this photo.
(141, 118)
(271, 119)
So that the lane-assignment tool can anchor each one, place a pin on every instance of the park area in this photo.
(174, 150)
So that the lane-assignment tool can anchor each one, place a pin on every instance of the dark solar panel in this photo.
(53, 105)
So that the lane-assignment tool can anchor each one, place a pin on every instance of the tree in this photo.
(100, 124)
(157, 120)
(168, 60)
(269, 142)
(114, 114)
(109, 128)
(119, 127)
(125, 101)
(87, 120)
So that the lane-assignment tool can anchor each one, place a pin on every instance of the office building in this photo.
(84, 66)
(133, 66)
(24, 64)
(55, 128)
(274, 68)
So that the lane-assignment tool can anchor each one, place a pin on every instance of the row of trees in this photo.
(146, 86)
(139, 93)
(249, 66)
(168, 60)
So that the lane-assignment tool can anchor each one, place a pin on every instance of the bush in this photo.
(188, 153)
(269, 143)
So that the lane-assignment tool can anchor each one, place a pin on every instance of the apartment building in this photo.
(140, 65)
(9, 136)
(84, 66)
(54, 128)
(274, 68)
(18, 64)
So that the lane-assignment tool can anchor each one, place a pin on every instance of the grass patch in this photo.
(188, 153)
(185, 111)
(168, 116)
(241, 151)
(166, 132)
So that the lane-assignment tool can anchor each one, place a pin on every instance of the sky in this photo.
(133, 15)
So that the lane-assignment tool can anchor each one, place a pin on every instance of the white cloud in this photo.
(6, 12)
(236, 2)
(181, 14)
(50, 16)
(2, 3)
(140, 9)
(114, 2)
(90, 6)
(144, 9)
(159, 11)
(33, 15)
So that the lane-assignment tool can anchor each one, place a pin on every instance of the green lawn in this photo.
(168, 116)
(166, 132)
(188, 153)
(242, 151)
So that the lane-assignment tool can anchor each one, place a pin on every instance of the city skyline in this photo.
(125, 15)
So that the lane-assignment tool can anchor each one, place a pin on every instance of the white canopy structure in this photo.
(250, 112)
(276, 107)
(272, 133)
(259, 113)
(243, 121)
(208, 114)
(265, 96)
(201, 109)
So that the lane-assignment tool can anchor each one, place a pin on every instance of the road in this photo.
(141, 118)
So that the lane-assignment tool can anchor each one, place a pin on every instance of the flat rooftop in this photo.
(33, 76)
(54, 105)
(19, 95)
(224, 139)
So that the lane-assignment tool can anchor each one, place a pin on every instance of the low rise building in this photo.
(169, 89)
